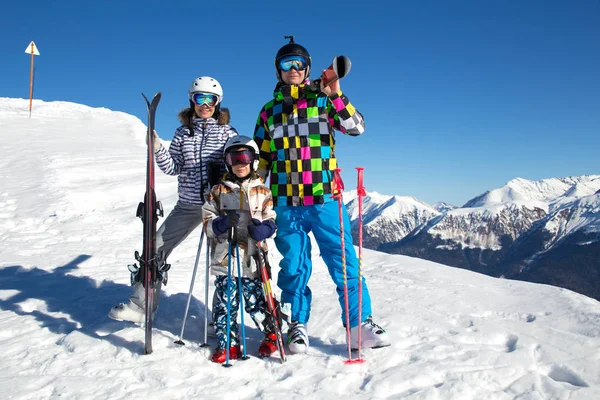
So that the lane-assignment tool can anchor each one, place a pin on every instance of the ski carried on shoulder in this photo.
(273, 306)
(149, 210)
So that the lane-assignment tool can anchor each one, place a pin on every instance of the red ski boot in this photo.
(220, 355)
(268, 345)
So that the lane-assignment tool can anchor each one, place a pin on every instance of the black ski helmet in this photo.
(292, 49)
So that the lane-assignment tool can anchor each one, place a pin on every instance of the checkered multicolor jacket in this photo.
(295, 135)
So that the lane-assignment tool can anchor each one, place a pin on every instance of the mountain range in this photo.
(545, 231)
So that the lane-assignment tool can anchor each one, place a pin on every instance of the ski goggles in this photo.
(292, 62)
(208, 99)
(239, 157)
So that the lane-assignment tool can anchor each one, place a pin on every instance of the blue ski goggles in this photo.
(208, 99)
(293, 62)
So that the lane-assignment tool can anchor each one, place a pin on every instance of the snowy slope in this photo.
(71, 180)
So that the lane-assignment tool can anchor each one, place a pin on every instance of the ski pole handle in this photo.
(360, 189)
(337, 184)
(233, 221)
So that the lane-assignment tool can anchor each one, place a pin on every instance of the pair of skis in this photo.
(149, 210)
(337, 190)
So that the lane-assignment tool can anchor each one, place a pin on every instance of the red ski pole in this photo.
(337, 187)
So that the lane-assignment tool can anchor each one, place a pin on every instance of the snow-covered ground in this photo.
(71, 178)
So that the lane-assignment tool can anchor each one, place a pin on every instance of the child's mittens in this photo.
(220, 225)
(261, 230)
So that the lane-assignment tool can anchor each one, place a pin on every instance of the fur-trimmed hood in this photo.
(223, 116)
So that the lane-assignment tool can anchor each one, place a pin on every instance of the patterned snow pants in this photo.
(254, 304)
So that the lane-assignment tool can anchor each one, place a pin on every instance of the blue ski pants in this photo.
(293, 242)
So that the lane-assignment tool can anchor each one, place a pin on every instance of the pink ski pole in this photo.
(360, 191)
(337, 187)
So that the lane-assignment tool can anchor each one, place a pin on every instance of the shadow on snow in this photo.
(87, 302)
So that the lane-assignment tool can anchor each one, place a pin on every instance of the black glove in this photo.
(261, 230)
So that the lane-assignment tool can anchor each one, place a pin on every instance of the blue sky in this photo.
(459, 97)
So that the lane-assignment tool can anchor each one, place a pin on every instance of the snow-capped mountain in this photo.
(546, 191)
(387, 218)
(443, 207)
(561, 247)
(508, 231)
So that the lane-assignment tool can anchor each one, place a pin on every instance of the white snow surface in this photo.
(72, 177)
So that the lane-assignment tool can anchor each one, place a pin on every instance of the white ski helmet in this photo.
(206, 84)
(242, 141)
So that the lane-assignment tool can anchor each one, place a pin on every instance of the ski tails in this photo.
(150, 210)
(339, 68)
(273, 305)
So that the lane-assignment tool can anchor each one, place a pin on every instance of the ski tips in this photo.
(155, 99)
(342, 64)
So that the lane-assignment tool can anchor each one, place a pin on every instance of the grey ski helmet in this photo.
(242, 141)
(292, 49)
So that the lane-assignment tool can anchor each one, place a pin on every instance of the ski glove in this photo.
(261, 230)
(220, 225)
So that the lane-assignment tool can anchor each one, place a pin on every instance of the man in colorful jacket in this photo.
(295, 135)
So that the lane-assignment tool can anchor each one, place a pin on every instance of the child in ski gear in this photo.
(241, 200)
(197, 144)
(295, 135)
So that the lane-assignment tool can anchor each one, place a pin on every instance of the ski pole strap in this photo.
(360, 189)
(337, 185)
